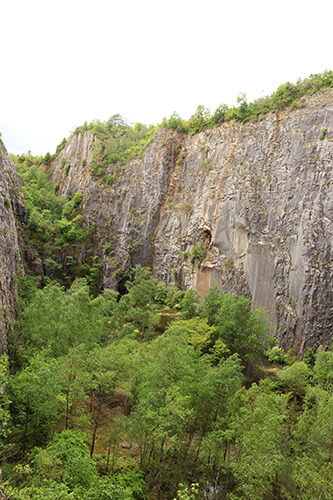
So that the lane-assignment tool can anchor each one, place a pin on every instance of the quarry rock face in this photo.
(11, 202)
(245, 207)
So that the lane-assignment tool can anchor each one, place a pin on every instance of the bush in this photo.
(47, 158)
(219, 115)
(295, 377)
(324, 368)
(276, 355)
(175, 122)
(76, 200)
(61, 146)
(198, 253)
(70, 454)
(323, 134)
(200, 120)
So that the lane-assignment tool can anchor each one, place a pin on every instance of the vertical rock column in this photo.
(11, 200)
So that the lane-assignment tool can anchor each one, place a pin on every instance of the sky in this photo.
(65, 62)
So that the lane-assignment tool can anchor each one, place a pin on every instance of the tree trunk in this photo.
(93, 439)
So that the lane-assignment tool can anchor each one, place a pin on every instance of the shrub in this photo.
(198, 253)
(181, 158)
(323, 134)
(207, 165)
(175, 122)
(76, 200)
(61, 146)
(276, 355)
(47, 158)
(295, 377)
(219, 114)
(200, 120)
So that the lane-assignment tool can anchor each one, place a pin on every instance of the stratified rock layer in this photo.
(11, 201)
(258, 195)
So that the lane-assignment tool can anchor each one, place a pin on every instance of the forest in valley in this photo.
(148, 393)
(151, 395)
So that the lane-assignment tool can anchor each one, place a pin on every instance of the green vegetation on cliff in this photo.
(120, 142)
(55, 229)
(116, 141)
(287, 94)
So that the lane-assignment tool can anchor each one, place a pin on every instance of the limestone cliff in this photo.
(11, 202)
(258, 196)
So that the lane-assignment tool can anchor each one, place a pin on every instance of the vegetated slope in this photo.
(11, 204)
(244, 206)
(57, 243)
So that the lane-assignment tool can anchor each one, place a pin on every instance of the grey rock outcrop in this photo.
(257, 196)
(11, 202)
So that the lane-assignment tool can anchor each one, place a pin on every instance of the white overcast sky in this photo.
(66, 61)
